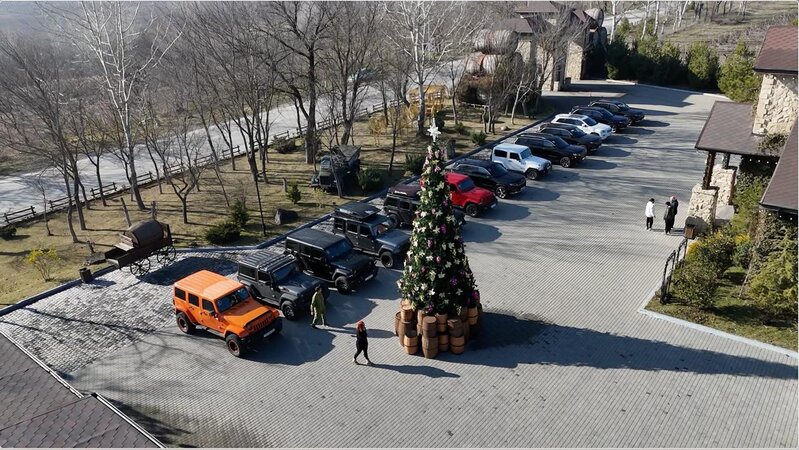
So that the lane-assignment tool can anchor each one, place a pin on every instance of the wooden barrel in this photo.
(404, 303)
(463, 313)
(396, 324)
(407, 313)
(472, 314)
(429, 347)
(411, 350)
(456, 344)
(466, 328)
(420, 315)
(429, 326)
(454, 327)
(403, 329)
(441, 318)
(443, 342)
(441, 327)
(411, 338)
(456, 349)
(418, 328)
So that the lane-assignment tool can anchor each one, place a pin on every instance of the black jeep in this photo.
(330, 258)
(274, 279)
(370, 232)
(492, 176)
(401, 203)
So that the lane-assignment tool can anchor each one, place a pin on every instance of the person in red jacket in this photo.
(361, 343)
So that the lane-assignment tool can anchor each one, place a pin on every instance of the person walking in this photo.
(668, 217)
(650, 213)
(318, 307)
(674, 205)
(361, 343)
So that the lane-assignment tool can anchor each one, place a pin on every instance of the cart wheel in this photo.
(140, 268)
(165, 255)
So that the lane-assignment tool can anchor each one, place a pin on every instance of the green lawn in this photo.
(732, 314)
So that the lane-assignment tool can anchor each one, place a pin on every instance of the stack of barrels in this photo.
(435, 333)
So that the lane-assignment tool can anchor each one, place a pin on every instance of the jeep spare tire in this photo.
(288, 310)
(387, 260)
(233, 344)
(471, 209)
(531, 174)
(343, 285)
(184, 324)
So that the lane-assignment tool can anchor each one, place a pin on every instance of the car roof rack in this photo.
(405, 190)
(317, 238)
(356, 210)
(265, 258)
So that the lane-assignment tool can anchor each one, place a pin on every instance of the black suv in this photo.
(274, 279)
(573, 135)
(561, 153)
(492, 176)
(602, 115)
(330, 258)
(620, 108)
(401, 203)
(371, 232)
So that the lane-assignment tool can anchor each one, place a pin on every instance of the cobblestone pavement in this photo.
(564, 358)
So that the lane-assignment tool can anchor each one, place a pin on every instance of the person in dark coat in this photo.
(668, 217)
(674, 205)
(361, 344)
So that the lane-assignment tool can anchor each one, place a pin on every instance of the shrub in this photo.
(774, 287)
(414, 162)
(670, 68)
(461, 129)
(772, 142)
(715, 251)
(371, 179)
(439, 121)
(694, 283)
(743, 251)
(703, 64)
(645, 58)
(294, 195)
(284, 146)
(479, 138)
(43, 260)
(618, 60)
(239, 214)
(223, 233)
(737, 80)
(8, 232)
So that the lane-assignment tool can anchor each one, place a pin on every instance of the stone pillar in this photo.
(724, 180)
(776, 105)
(702, 207)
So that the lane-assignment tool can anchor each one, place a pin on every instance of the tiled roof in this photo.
(781, 193)
(778, 52)
(538, 7)
(38, 410)
(521, 26)
(728, 129)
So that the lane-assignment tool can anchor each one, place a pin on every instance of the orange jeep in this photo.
(225, 308)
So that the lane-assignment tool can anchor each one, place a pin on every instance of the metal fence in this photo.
(672, 262)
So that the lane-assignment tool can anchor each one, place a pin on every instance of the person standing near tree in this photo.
(668, 217)
(649, 212)
(361, 343)
(318, 307)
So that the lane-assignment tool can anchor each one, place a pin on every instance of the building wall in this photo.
(776, 105)
(724, 180)
(702, 207)
(574, 61)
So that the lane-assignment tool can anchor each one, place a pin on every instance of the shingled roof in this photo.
(781, 193)
(728, 129)
(39, 409)
(538, 7)
(778, 52)
(521, 26)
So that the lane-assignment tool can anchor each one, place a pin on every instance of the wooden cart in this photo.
(141, 242)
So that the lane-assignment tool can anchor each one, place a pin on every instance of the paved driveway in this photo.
(564, 358)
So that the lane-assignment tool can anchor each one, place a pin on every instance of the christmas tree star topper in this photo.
(433, 132)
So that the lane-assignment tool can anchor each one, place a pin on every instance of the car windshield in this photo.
(589, 121)
(526, 153)
(576, 132)
(232, 299)
(605, 113)
(466, 185)
(383, 226)
(559, 143)
(283, 272)
(339, 249)
(497, 170)
(623, 106)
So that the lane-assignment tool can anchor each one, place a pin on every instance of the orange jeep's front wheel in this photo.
(184, 323)
(233, 344)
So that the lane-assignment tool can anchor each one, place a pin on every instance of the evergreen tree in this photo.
(703, 63)
(737, 79)
(437, 277)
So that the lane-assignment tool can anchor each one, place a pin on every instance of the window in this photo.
(180, 293)
(315, 253)
(338, 224)
(292, 246)
(574, 122)
(365, 230)
(263, 276)
(208, 306)
(352, 228)
(248, 272)
(406, 206)
(500, 153)
(483, 172)
(514, 156)
(391, 202)
(194, 300)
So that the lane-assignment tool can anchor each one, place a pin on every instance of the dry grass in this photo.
(18, 280)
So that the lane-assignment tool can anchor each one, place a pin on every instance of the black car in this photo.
(274, 279)
(620, 108)
(371, 232)
(330, 258)
(603, 116)
(401, 203)
(562, 153)
(573, 135)
(492, 176)
(577, 152)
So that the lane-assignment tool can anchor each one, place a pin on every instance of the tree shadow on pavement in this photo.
(612, 152)
(170, 273)
(480, 232)
(653, 123)
(640, 131)
(619, 139)
(597, 164)
(507, 340)
(542, 195)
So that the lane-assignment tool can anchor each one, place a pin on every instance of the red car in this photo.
(465, 195)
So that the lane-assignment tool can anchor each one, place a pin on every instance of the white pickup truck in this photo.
(518, 158)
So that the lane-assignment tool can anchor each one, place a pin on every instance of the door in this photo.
(515, 162)
(266, 288)
(365, 238)
(482, 178)
(209, 317)
(318, 263)
(352, 234)
(193, 303)
(455, 195)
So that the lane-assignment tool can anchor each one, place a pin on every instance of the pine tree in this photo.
(737, 78)
(437, 277)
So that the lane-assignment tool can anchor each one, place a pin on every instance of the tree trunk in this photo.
(125, 209)
(134, 184)
(184, 201)
(422, 112)
(216, 160)
(76, 196)
(100, 182)
(260, 208)
(69, 210)
(393, 146)
(385, 100)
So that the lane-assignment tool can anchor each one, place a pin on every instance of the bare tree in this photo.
(124, 43)
(552, 42)
(92, 139)
(429, 33)
(34, 113)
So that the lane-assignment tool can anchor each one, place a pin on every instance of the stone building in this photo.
(738, 129)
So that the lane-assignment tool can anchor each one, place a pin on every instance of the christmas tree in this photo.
(437, 277)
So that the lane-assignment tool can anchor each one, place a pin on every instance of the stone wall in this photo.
(702, 207)
(574, 61)
(724, 180)
(776, 105)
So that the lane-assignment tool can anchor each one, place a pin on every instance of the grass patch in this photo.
(732, 314)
